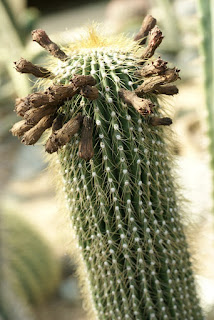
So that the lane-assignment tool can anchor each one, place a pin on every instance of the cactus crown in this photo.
(109, 132)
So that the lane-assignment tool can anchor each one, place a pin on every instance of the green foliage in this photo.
(14, 32)
(123, 203)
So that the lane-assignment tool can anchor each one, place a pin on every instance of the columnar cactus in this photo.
(111, 139)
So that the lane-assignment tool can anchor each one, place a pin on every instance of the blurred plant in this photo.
(29, 271)
(170, 23)
(117, 174)
(206, 13)
(14, 31)
(125, 15)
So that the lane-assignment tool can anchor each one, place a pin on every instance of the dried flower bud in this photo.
(155, 121)
(34, 115)
(86, 150)
(51, 97)
(63, 135)
(89, 92)
(148, 24)
(19, 128)
(143, 106)
(169, 90)
(158, 66)
(150, 84)
(33, 135)
(51, 144)
(155, 39)
(57, 123)
(80, 81)
(25, 66)
(42, 38)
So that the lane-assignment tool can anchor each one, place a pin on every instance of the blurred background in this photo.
(31, 222)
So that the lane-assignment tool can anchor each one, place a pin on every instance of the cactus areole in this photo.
(111, 138)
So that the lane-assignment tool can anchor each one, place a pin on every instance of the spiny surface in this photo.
(123, 204)
(119, 187)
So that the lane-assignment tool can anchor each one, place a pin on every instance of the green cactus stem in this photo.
(206, 13)
(113, 143)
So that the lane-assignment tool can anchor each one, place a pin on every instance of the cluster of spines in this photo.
(122, 203)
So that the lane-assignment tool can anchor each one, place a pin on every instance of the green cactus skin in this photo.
(123, 205)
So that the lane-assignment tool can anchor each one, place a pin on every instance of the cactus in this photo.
(29, 271)
(13, 306)
(112, 141)
(206, 13)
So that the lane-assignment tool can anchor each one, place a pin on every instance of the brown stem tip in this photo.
(57, 123)
(41, 37)
(86, 150)
(63, 135)
(143, 106)
(151, 83)
(20, 128)
(155, 39)
(34, 115)
(156, 67)
(155, 121)
(80, 81)
(89, 92)
(53, 96)
(51, 145)
(33, 135)
(169, 90)
(148, 24)
(24, 66)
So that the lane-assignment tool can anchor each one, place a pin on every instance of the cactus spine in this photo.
(117, 174)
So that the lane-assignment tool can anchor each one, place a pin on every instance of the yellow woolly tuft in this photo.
(93, 38)
(90, 39)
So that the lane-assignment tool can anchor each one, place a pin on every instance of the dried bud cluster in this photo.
(40, 109)
(156, 74)
(158, 66)
(150, 84)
